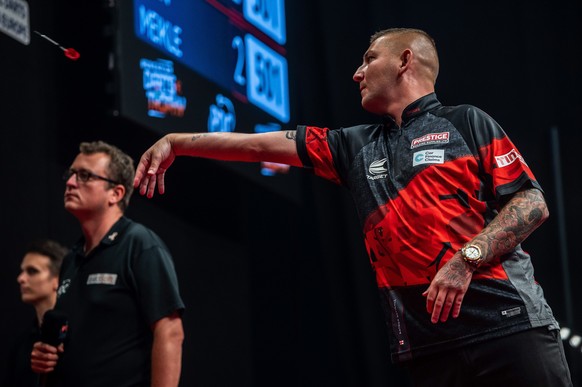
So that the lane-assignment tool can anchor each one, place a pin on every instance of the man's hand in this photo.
(152, 167)
(518, 218)
(276, 147)
(44, 357)
(447, 289)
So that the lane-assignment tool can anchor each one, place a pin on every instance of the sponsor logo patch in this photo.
(429, 156)
(63, 288)
(511, 312)
(508, 158)
(102, 279)
(430, 139)
(377, 170)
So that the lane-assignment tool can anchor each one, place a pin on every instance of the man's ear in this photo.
(55, 282)
(117, 194)
(405, 58)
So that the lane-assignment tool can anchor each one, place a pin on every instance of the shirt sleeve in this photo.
(501, 162)
(315, 153)
(157, 284)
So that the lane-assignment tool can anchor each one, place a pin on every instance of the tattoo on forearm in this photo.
(291, 135)
(524, 212)
(198, 136)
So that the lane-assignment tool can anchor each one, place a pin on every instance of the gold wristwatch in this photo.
(472, 255)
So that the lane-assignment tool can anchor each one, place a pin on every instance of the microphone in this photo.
(53, 331)
(55, 325)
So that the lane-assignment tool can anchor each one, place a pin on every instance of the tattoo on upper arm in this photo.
(291, 135)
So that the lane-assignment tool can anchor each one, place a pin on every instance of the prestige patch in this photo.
(430, 139)
(102, 279)
(429, 156)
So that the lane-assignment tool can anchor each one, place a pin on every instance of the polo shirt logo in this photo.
(511, 312)
(377, 169)
(430, 139)
(63, 288)
(508, 158)
(430, 156)
(102, 279)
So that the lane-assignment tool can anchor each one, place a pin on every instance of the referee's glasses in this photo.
(84, 176)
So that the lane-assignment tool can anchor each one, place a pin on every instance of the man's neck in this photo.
(398, 108)
(95, 228)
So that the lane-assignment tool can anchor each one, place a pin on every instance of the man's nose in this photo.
(359, 74)
(72, 180)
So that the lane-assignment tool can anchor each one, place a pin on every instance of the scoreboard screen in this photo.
(203, 66)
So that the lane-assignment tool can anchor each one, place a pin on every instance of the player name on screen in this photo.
(237, 44)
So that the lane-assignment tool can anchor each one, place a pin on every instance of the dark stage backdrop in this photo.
(278, 291)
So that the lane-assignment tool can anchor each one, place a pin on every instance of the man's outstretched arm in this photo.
(278, 147)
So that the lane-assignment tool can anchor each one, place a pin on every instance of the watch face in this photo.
(472, 252)
(472, 255)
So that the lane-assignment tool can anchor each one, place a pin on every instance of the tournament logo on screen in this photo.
(162, 88)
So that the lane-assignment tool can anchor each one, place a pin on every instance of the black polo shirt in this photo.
(112, 297)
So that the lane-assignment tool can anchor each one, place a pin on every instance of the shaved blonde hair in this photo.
(422, 45)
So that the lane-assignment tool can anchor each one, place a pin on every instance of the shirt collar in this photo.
(415, 109)
(110, 238)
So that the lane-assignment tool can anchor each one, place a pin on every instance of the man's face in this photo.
(91, 196)
(377, 77)
(37, 284)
